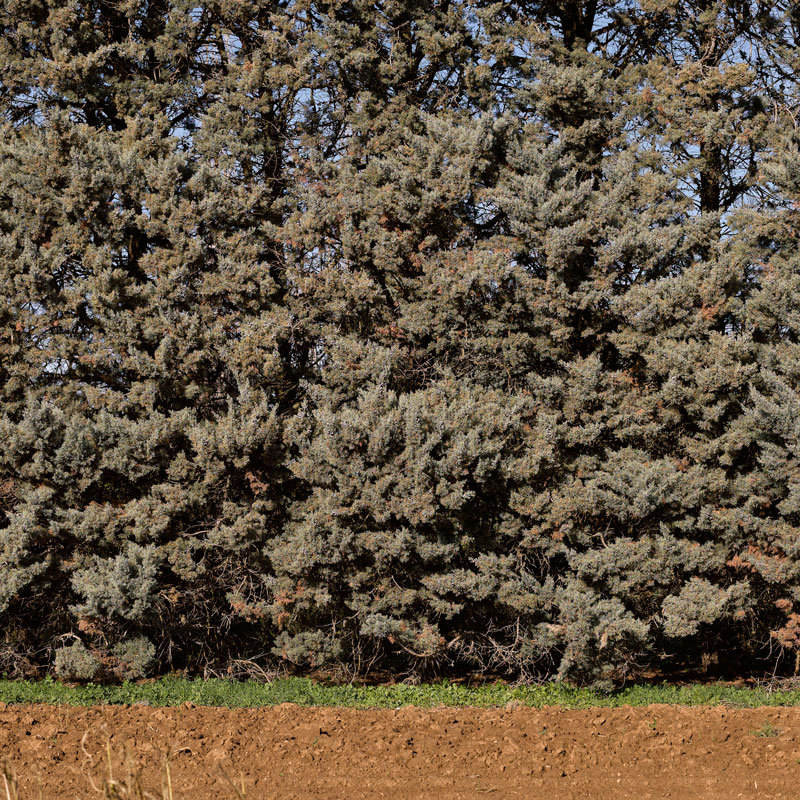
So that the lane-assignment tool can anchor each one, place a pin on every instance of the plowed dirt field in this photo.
(290, 752)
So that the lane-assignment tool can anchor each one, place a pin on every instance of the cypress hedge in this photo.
(396, 336)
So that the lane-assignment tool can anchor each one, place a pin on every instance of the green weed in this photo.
(174, 691)
(767, 731)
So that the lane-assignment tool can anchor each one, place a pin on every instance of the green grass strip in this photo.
(172, 691)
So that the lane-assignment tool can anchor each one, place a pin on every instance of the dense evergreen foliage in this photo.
(397, 335)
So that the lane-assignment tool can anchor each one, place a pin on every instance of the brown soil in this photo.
(291, 752)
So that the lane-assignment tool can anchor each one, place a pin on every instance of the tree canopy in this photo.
(388, 335)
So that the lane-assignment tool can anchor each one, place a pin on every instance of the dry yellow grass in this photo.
(128, 786)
